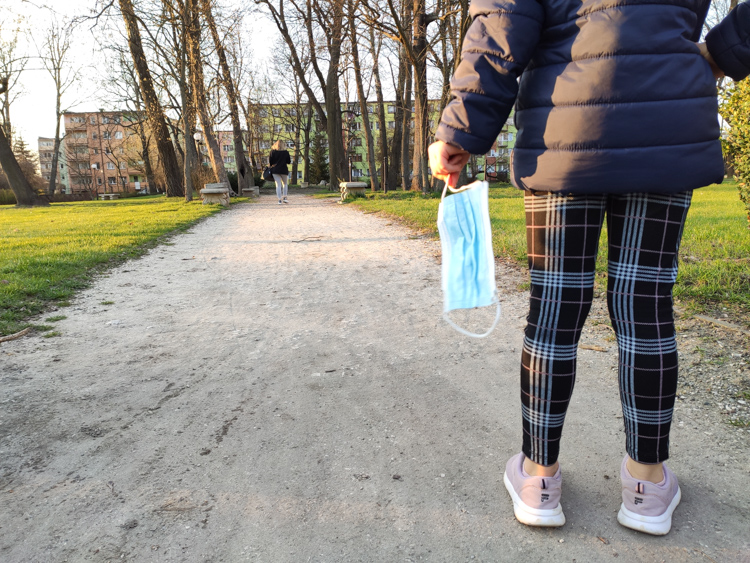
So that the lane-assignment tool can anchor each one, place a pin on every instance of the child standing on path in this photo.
(616, 111)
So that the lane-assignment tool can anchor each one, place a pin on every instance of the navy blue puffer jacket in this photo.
(613, 96)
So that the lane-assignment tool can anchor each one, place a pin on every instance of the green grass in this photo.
(47, 254)
(715, 254)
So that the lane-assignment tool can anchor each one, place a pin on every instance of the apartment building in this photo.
(102, 153)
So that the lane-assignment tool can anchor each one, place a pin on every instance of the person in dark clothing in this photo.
(616, 110)
(278, 160)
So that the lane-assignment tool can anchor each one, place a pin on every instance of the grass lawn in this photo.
(715, 254)
(49, 253)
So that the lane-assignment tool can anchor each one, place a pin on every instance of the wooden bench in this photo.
(215, 193)
(352, 189)
(109, 196)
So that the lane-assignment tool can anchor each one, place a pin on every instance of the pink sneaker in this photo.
(648, 507)
(536, 500)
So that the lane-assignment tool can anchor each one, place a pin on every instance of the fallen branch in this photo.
(592, 347)
(15, 336)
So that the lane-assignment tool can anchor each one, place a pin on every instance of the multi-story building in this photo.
(46, 148)
(102, 153)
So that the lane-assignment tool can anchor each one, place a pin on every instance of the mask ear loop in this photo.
(445, 315)
(474, 334)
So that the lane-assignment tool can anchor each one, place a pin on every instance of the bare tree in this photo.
(54, 53)
(12, 64)
(25, 194)
(244, 174)
(370, 145)
(326, 18)
(154, 110)
(375, 47)
(410, 28)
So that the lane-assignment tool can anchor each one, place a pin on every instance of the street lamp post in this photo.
(93, 179)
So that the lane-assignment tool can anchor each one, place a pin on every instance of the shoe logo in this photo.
(545, 497)
(638, 500)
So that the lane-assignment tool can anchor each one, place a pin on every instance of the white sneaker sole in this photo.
(545, 518)
(654, 525)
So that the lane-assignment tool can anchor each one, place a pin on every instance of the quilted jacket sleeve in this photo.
(497, 47)
(729, 42)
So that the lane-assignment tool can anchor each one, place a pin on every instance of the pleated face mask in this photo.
(468, 269)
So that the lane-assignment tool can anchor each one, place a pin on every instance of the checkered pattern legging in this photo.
(563, 236)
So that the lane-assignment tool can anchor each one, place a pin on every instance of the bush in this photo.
(7, 197)
(735, 109)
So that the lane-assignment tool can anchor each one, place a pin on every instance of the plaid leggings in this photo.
(563, 238)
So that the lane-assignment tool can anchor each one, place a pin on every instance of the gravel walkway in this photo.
(277, 385)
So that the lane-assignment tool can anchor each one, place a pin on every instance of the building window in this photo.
(277, 128)
(391, 108)
(111, 180)
(290, 128)
(106, 135)
(227, 159)
(227, 148)
(118, 134)
(123, 180)
(290, 144)
(92, 120)
(123, 166)
(263, 113)
(275, 112)
(391, 125)
(110, 166)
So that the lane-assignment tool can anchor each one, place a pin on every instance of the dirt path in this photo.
(277, 385)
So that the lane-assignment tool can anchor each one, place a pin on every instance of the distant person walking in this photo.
(616, 113)
(278, 160)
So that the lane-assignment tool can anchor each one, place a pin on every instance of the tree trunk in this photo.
(372, 163)
(164, 146)
(398, 121)
(244, 173)
(186, 100)
(336, 151)
(55, 155)
(406, 132)
(375, 53)
(25, 195)
(201, 104)
(419, 48)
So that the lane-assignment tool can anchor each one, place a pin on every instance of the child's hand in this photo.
(718, 73)
(447, 161)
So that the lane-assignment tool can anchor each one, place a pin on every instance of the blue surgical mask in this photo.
(468, 270)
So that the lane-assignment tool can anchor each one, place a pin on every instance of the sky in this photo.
(33, 113)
